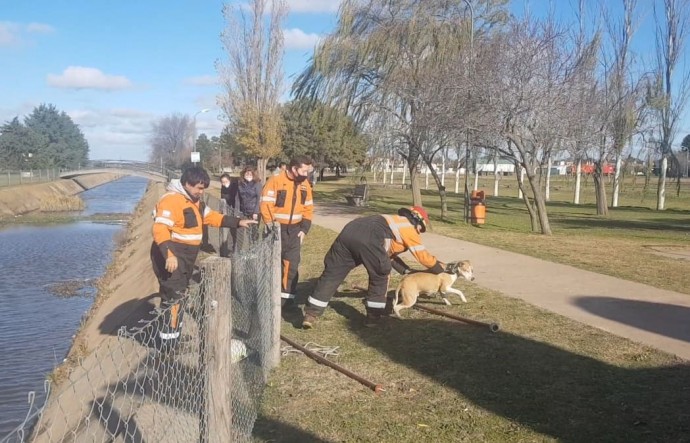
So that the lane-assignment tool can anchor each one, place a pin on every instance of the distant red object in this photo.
(588, 168)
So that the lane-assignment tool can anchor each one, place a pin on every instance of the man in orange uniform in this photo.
(287, 199)
(177, 234)
(375, 242)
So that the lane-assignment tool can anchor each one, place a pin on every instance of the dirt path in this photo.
(642, 313)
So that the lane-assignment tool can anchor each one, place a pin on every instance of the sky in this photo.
(116, 67)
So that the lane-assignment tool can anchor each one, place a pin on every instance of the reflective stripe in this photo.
(187, 237)
(417, 248)
(286, 295)
(387, 244)
(268, 199)
(295, 217)
(321, 304)
(394, 228)
(309, 203)
(376, 304)
(271, 192)
(164, 221)
(169, 335)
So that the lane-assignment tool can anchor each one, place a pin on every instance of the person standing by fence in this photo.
(244, 199)
(177, 235)
(287, 198)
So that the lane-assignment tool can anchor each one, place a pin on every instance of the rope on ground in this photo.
(326, 351)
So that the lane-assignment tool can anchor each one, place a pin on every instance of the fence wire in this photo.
(20, 177)
(129, 390)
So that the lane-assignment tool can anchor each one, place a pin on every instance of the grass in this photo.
(542, 378)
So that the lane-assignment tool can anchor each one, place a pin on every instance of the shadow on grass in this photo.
(570, 397)
(668, 320)
(664, 224)
(267, 429)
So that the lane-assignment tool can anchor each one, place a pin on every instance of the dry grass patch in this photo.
(543, 377)
(62, 204)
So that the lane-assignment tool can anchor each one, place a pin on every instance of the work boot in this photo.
(309, 321)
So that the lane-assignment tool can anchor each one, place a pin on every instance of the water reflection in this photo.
(36, 326)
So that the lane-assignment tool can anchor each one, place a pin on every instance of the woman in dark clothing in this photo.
(225, 182)
(245, 198)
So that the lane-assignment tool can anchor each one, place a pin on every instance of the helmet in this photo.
(421, 216)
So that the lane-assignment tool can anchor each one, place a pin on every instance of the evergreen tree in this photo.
(61, 142)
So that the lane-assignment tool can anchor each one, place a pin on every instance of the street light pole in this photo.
(194, 157)
(467, 136)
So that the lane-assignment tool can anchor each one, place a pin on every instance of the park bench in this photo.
(359, 196)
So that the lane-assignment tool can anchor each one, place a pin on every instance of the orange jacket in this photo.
(178, 219)
(406, 237)
(287, 202)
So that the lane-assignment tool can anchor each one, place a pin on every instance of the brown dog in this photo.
(412, 285)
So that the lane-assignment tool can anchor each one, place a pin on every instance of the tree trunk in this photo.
(616, 181)
(578, 181)
(261, 164)
(661, 189)
(547, 189)
(542, 218)
(414, 183)
(600, 189)
(528, 204)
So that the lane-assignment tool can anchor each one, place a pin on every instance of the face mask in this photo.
(300, 178)
(248, 178)
(226, 185)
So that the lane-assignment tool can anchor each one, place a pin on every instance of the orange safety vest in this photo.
(178, 219)
(406, 237)
(286, 201)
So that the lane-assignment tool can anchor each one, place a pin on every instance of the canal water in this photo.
(36, 325)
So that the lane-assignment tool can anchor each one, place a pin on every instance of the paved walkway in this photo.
(642, 313)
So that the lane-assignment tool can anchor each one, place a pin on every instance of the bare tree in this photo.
(171, 140)
(668, 98)
(535, 76)
(252, 76)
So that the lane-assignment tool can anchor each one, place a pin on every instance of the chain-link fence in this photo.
(207, 388)
(11, 178)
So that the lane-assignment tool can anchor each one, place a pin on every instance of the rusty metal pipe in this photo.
(313, 355)
(493, 327)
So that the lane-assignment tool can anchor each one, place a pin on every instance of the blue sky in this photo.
(117, 66)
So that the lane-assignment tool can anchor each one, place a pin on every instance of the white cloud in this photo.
(295, 38)
(313, 6)
(12, 34)
(39, 28)
(202, 80)
(9, 34)
(79, 77)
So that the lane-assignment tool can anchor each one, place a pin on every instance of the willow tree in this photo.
(252, 76)
(377, 61)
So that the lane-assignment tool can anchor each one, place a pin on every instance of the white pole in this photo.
(578, 179)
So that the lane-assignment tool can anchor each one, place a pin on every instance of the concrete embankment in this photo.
(18, 200)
